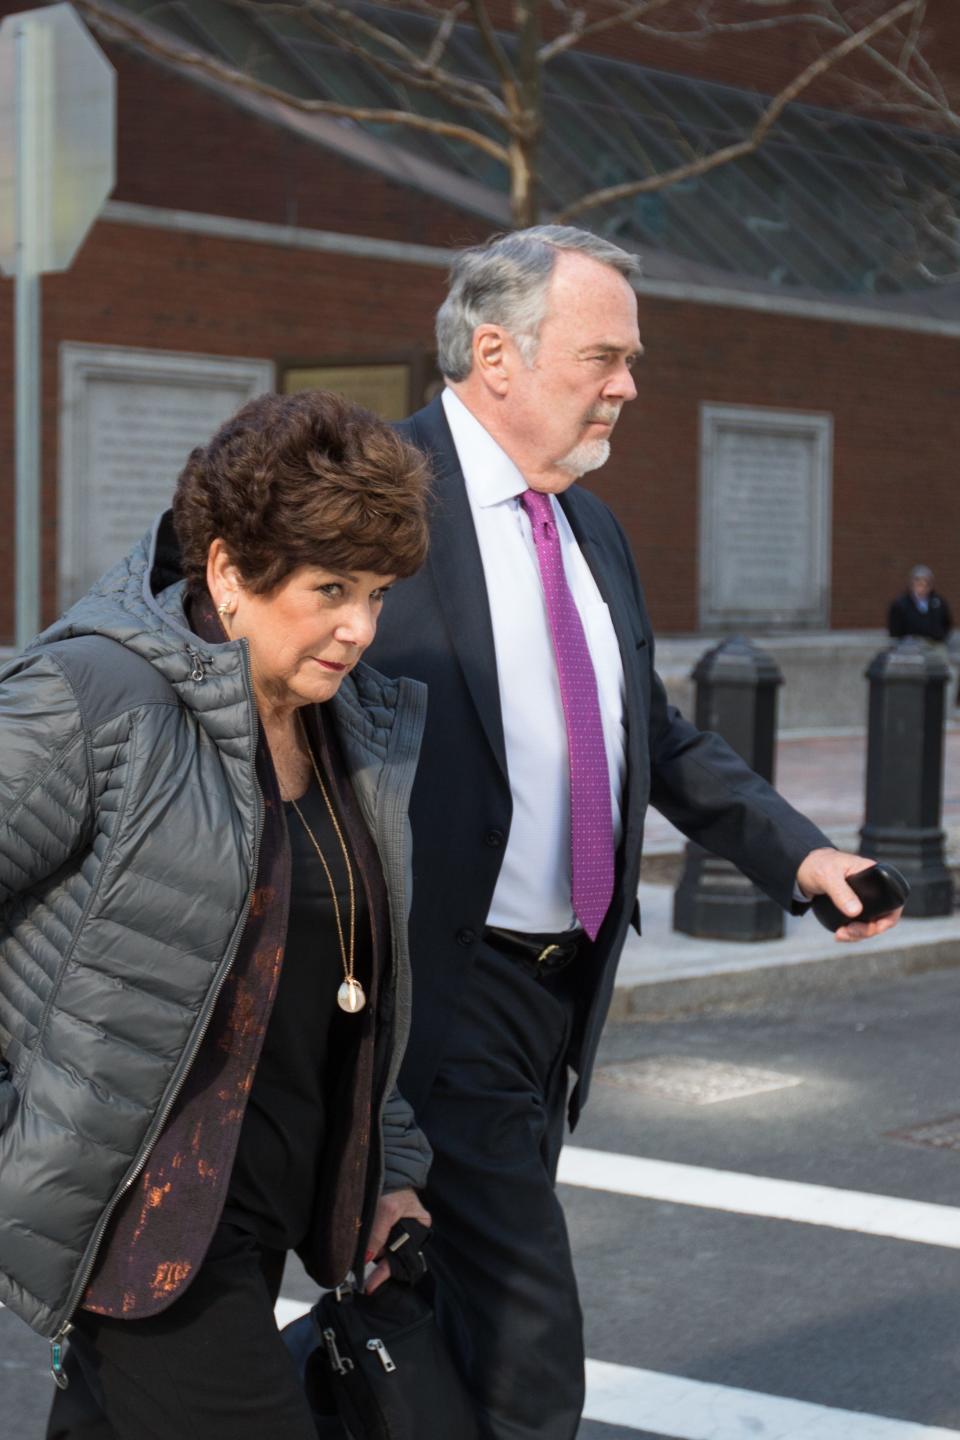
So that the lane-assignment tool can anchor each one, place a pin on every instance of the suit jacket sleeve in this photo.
(702, 786)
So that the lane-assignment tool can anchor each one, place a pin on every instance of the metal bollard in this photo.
(905, 771)
(737, 697)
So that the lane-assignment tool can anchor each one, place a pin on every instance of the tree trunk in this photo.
(525, 144)
(524, 206)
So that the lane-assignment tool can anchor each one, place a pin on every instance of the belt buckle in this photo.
(547, 950)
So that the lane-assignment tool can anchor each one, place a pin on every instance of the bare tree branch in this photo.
(580, 28)
(108, 23)
(893, 75)
(909, 47)
(327, 15)
(442, 38)
(932, 99)
(926, 85)
(491, 40)
(474, 99)
(725, 154)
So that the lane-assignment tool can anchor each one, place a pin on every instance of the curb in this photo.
(666, 999)
(664, 867)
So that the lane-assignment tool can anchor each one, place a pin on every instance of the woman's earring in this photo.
(224, 608)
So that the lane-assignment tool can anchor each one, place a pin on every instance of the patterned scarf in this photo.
(162, 1227)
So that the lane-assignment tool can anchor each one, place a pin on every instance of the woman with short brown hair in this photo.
(204, 986)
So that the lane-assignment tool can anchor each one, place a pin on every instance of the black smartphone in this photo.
(881, 889)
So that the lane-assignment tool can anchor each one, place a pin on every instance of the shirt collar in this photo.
(490, 475)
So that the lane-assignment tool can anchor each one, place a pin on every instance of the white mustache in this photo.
(604, 414)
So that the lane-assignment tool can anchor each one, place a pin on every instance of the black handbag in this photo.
(380, 1363)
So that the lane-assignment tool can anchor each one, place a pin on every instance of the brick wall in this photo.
(894, 396)
(192, 149)
(761, 60)
(895, 402)
(144, 288)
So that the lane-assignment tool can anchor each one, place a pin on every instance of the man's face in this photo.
(921, 586)
(559, 413)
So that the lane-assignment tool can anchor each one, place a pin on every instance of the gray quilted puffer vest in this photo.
(129, 824)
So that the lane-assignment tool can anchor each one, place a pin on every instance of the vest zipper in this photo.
(387, 824)
(200, 662)
(186, 1060)
(56, 1357)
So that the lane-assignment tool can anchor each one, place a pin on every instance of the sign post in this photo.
(57, 167)
(28, 83)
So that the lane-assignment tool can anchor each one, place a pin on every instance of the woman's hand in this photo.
(397, 1205)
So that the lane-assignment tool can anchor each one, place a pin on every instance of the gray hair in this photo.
(504, 282)
(921, 572)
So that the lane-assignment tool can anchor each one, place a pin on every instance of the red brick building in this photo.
(239, 230)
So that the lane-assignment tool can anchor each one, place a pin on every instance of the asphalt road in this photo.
(691, 1266)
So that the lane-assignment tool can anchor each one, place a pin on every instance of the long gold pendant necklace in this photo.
(350, 996)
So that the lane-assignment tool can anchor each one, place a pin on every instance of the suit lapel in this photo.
(609, 583)
(456, 569)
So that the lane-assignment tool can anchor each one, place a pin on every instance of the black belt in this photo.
(539, 954)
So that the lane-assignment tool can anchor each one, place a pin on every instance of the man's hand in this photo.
(397, 1205)
(824, 872)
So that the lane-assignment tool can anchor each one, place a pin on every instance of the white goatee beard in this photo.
(588, 455)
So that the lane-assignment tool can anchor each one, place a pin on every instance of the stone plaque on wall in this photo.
(765, 487)
(384, 389)
(128, 421)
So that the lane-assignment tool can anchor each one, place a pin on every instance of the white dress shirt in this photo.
(533, 888)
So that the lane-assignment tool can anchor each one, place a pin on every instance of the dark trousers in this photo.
(505, 1289)
(211, 1367)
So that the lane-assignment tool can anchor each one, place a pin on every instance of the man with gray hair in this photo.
(548, 733)
(920, 610)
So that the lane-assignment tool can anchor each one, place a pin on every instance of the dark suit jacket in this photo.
(905, 618)
(436, 627)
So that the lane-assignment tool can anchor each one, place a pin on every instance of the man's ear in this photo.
(491, 358)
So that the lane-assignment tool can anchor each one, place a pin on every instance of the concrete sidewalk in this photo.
(823, 775)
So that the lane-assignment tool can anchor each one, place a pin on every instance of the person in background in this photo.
(920, 610)
(204, 979)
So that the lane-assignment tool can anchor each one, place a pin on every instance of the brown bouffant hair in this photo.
(303, 479)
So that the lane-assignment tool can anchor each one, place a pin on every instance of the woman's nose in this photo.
(359, 627)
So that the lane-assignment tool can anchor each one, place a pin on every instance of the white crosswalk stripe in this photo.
(683, 1409)
(885, 1215)
(287, 1310)
(670, 1405)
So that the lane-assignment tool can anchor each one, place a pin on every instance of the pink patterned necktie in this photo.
(591, 820)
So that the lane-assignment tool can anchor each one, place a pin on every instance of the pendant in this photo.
(350, 997)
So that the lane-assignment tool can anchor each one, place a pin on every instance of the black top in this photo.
(308, 1041)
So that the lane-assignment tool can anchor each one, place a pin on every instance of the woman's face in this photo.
(307, 634)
